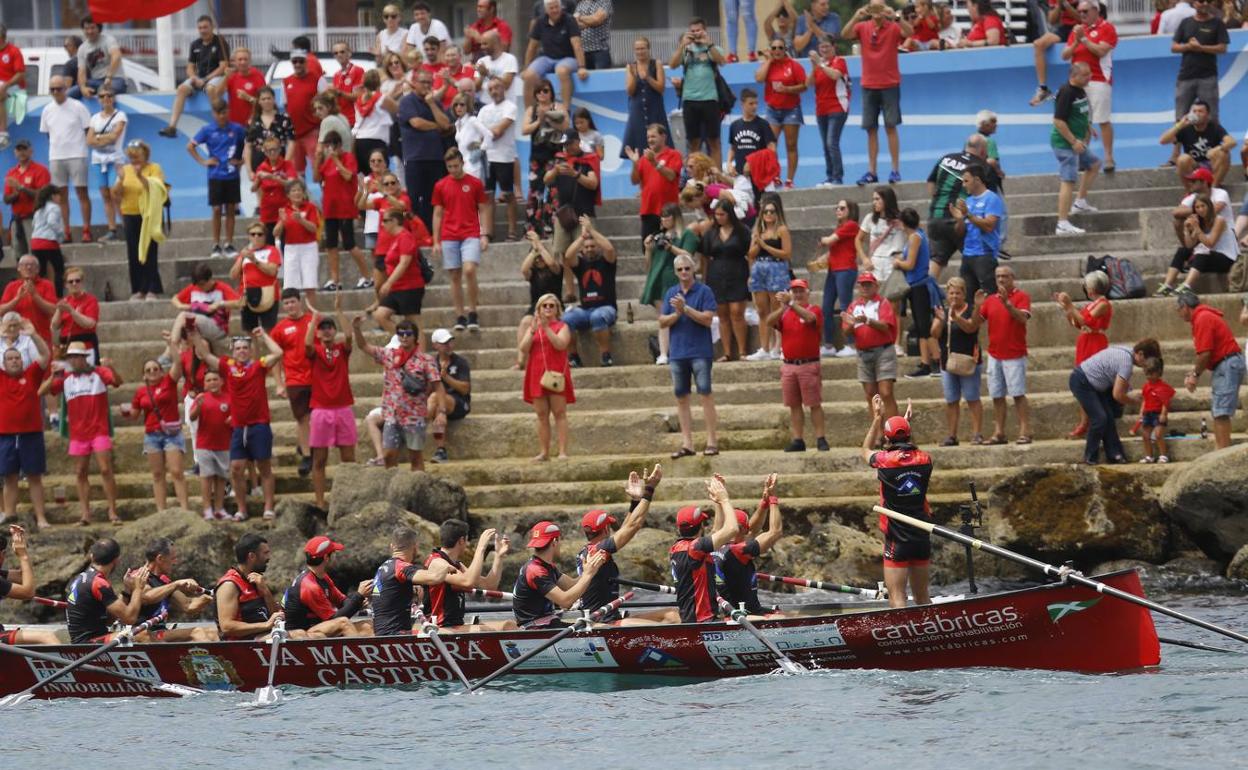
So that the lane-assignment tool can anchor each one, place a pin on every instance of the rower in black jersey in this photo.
(394, 584)
(23, 590)
(93, 604)
(541, 588)
(444, 603)
(734, 563)
(164, 595)
(904, 472)
(246, 607)
(692, 556)
(315, 605)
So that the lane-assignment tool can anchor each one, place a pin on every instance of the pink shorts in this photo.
(79, 448)
(333, 427)
(802, 384)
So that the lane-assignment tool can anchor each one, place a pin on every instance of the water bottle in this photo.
(1204, 428)
(108, 291)
(59, 494)
(630, 312)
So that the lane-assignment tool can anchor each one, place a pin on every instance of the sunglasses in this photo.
(842, 208)
(389, 16)
(340, 53)
(777, 48)
(548, 304)
(257, 235)
(684, 269)
(391, 183)
(769, 211)
(57, 90)
(406, 334)
(545, 91)
(72, 281)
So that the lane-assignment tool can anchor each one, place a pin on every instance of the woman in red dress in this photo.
(1091, 321)
(547, 351)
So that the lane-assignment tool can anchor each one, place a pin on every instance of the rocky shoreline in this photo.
(1192, 536)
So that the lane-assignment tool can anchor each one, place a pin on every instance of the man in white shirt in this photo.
(99, 60)
(66, 121)
(499, 117)
(425, 26)
(497, 62)
(1170, 20)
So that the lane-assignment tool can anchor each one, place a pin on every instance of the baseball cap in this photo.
(1202, 174)
(596, 521)
(867, 277)
(441, 336)
(321, 546)
(743, 519)
(326, 321)
(690, 517)
(298, 53)
(896, 428)
(20, 143)
(542, 534)
(799, 283)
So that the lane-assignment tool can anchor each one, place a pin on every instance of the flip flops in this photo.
(683, 452)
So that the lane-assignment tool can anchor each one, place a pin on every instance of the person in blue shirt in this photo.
(916, 263)
(978, 221)
(817, 23)
(688, 310)
(224, 142)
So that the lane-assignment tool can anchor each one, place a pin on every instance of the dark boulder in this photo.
(1208, 499)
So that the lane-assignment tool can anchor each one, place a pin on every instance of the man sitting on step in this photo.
(591, 258)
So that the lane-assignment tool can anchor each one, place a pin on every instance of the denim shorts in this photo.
(1227, 376)
(790, 117)
(877, 100)
(1007, 377)
(395, 436)
(1070, 163)
(456, 253)
(103, 175)
(544, 65)
(770, 275)
(685, 370)
(161, 442)
(1150, 419)
(596, 318)
(961, 387)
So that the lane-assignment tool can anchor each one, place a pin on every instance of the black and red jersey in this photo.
(148, 611)
(312, 599)
(603, 588)
(536, 579)
(693, 566)
(444, 604)
(252, 607)
(393, 593)
(904, 473)
(90, 595)
(735, 576)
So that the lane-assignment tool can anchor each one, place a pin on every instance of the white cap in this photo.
(298, 53)
(441, 336)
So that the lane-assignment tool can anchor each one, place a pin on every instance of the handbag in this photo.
(551, 380)
(260, 299)
(567, 218)
(170, 427)
(413, 383)
(895, 286)
(960, 364)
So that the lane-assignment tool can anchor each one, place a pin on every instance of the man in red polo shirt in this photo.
(20, 185)
(463, 218)
(657, 170)
(32, 297)
(801, 328)
(871, 320)
(487, 20)
(21, 428)
(12, 77)
(301, 87)
(879, 32)
(333, 420)
(348, 81)
(294, 379)
(1219, 353)
(1006, 313)
(240, 87)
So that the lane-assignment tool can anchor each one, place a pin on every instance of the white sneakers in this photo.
(762, 354)
(1064, 227)
(660, 361)
(1081, 204)
(827, 351)
(846, 352)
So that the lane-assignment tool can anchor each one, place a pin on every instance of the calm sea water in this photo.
(1190, 712)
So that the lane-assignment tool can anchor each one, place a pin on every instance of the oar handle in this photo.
(659, 587)
(819, 584)
(60, 605)
(488, 594)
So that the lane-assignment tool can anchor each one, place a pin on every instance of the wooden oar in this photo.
(1064, 574)
(430, 629)
(663, 589)
(60, 605)
(1195, 645)
(123, 637)
(270, 695)
(741, 617)
(581, 624)
(821, 585)
(176, 689)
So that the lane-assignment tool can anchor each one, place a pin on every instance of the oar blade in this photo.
(267, 696)
(181, 691)
(790, 666)
(17, 699)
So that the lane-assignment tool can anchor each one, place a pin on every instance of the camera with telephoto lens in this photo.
(662, 240)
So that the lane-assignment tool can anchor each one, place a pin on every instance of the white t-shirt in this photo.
(498, 68)
(375, 125)
(66, 125)
(372, 217)
(1173, 17)
(391, 42)
(114, 152)
(951, 34)
(502, 149)
(469, 131)
(1227, 245)
(417, 38)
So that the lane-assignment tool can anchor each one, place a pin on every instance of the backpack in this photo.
(1125, 280)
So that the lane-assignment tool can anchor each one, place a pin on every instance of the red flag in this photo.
(118, 11)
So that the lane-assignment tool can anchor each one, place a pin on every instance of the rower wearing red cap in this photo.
(444, 603)
(596, 525)
(540, 586)
(315, 605)
(736, 580)
(692, 557)
(394, 584)
(904, 472)
(22, 590)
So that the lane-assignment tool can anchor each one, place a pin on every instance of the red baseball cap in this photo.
(867, 277)
(596, 521)
(1203, 174)
(896, 428)
(799, 283)
(690, 517)
(542, 534)
(743, 519)
(321, 546)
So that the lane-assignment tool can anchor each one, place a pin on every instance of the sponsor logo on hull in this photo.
(571, 653)
(734, 650)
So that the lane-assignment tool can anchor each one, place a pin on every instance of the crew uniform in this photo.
(393, 594)
(87, 616)
(444, 604)
(603, 588)
(6, 636)
(529, 601)
(311, 599)
(904, 472)
(149, 611)
(252, 607)
(736, 579)
(693, 569)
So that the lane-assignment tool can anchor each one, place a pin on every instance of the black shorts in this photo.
(942, 238)
(906, 553)
(462, 408)
(702, 121)
(300, 398)
(1205, 262)
(266, 320)
(223, 192)
(920, 301)
(1063, 31)
(500, 176)
(405, 301)
(345, 227)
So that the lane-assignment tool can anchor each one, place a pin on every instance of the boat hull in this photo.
(1057, 627)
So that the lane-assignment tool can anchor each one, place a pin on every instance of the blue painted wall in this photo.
(941, 92)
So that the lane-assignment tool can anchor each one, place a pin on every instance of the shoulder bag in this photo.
(959, 364)
(551, 380)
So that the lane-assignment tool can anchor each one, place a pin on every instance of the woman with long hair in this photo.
(156, 403)
(471, 135)
(1091, 322)
(394, 84)
(881, 239)
(374, 116)
(644, 82)
(961, 337)
(1209, 243)
(838, 288)
(592, 141)
(723, 255)
(543, 121)
(547, 377)
(771, 248)
(47, 232)
(266, 121)
(662, 248)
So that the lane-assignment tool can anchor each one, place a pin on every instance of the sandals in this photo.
(950, 441)
(710, 451)
(683, 452)
(977, 439)
(1022, 440)
(996, 441)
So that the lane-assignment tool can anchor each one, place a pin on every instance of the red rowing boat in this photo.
(1060, 626)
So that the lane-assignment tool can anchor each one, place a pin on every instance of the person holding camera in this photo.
(662, 248)
(547, 377)
(573, 181)
(410, 376)
(1203, 143)
(876, 29)
(699, 59)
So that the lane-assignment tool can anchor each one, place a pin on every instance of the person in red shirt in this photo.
(252, 440)
(32, 297)
(1155, 411)
(88, 425)
(301, 87)
(338, 175)
(206, 303)
(463, 218)
(987, 28)
(333, 419)
(841, 262)
(294, 377)
(156, 402)
(1006, 313)
(348, 81)
(255, 271)
(879, 33)
(78, 314)
(801, 325)
(22, 449)
(829, 75)
(12, 78)
(210, 410)
(487, 21)
(1219, 353)
(1092, 41)
(402, 293)
(240, 87)
(784, 80)
(20, 185)
(873, 326)
(926, 25)
(269, 181)
(657, 170)
(297, 225)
